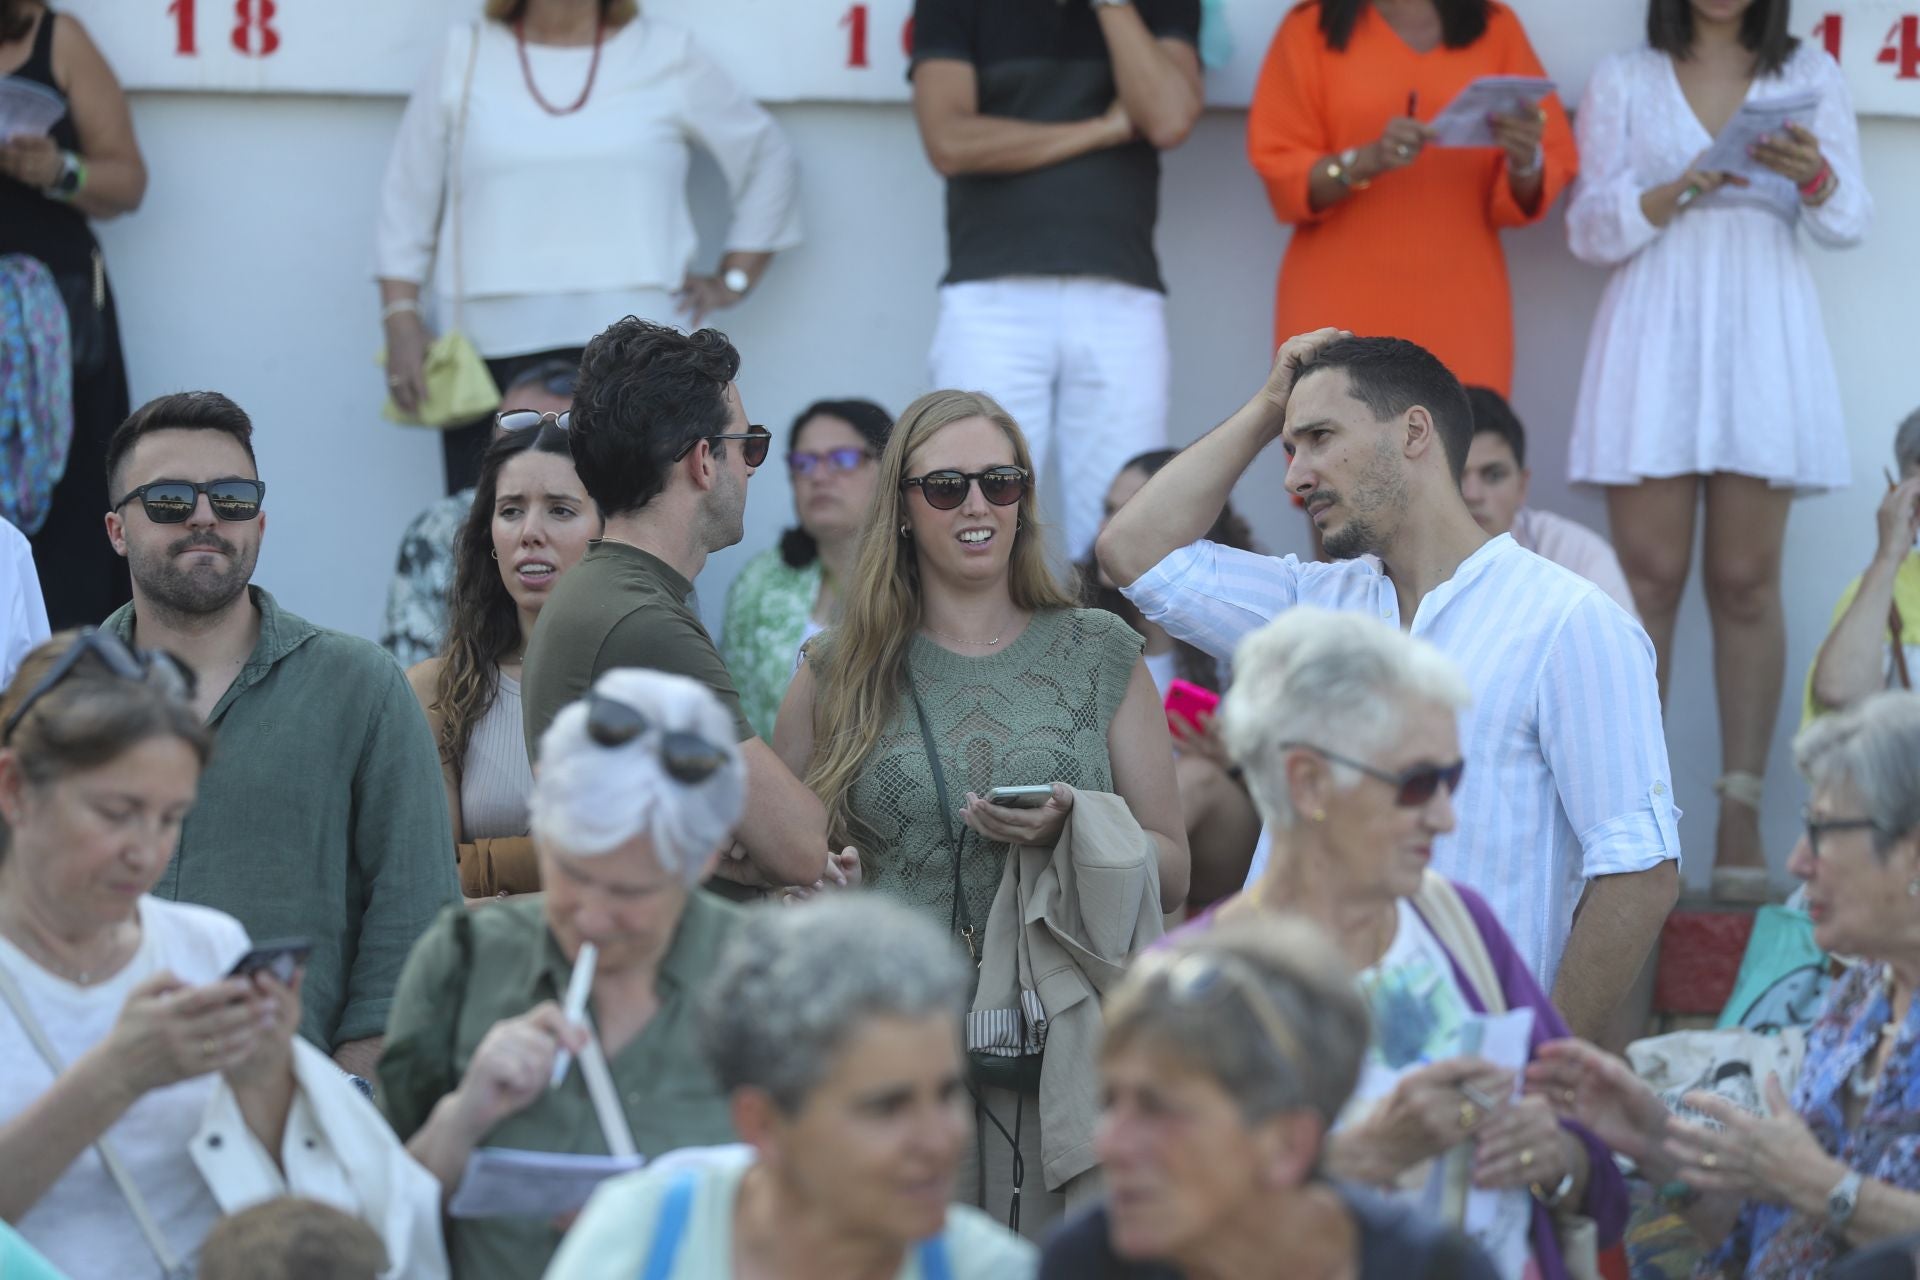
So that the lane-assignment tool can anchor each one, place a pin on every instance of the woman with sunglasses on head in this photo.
(1347, 732)
(960, 665)
(639, 787)
(531, 522)
(1228, 1058)
(788, 594)
(148, 1082)
(1835, 1165)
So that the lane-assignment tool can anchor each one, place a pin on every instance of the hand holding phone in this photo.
(281, 958)
(1021, 797)
(1191, 703)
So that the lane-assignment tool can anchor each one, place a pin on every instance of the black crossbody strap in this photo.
(962, 920)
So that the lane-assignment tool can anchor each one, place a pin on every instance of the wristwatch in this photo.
(73, 175)
(1843, 1200)
(737, 281)
(1340, 169)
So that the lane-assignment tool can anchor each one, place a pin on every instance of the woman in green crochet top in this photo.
(952, 600)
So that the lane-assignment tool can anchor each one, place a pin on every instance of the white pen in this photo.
(575, 1008)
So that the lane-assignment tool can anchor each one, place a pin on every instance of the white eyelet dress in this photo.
(1708, 353)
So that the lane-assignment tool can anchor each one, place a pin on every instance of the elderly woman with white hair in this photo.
(638, 790)
(1346, 730)
(835, 1028)
(1835, 1164)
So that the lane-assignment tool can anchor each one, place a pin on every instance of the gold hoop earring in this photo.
(495, 553)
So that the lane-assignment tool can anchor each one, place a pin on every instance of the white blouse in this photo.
(589, 207)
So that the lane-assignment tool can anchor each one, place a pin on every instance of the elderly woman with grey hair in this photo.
(1836, 1162)
(1229, 1056)
(637, 793)
(1347, 732)
(835, 1028)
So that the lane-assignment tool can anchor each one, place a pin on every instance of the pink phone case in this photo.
(1189, 702)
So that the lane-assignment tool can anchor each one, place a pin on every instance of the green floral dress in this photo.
(768, 606)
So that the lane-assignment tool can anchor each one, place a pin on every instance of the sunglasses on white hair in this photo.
(687, 757)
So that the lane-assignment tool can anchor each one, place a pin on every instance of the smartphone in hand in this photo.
(1020, 797)
(281, 958)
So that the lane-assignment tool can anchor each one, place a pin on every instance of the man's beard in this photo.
(199, 589)
(1381, 487)
(724, 520)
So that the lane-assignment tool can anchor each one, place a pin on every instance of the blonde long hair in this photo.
(860, 677)
(617, 13)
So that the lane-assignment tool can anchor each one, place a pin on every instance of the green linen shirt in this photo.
(322, 815)
(475, 968)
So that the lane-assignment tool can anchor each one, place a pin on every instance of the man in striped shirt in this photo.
(1566, 817)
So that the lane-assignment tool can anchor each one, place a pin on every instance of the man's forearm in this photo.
(785, 826)
(1849, 664)
(1183, 499)
(358, 1057)
(997, 144)
(1614, 930)
(1162, 96)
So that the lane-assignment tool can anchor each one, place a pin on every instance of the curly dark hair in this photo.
(1763, 30)
(1190, 663)
(646, 391)
(797, 547)
(483, 623)
(1461, 21)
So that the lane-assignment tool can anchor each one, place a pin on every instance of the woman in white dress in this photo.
(1708, 379)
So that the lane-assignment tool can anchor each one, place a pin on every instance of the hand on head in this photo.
(1295, 352)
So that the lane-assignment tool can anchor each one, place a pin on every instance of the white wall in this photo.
(248, 271)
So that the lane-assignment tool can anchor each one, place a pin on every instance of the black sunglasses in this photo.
(944, 490)
(758, 441)
(851, 458)
(525, 419)
(141, 666)
(173, 501)
(1413, 787)
(1818, 827)
(687, 757)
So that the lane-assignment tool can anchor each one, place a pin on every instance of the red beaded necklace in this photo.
(526, 69)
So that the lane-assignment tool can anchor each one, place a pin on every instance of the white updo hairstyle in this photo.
(1339, 681)
(589, 799)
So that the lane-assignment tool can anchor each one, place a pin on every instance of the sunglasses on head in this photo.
(687, 757)
(945, 489)
(526, 419)
(173, 501)
(1199, 978)
(851, 458)
(1413, 786)
(757, 441)
(141, 666)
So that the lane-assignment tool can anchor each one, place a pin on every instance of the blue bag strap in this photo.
(934, 1263)
(670, 1228)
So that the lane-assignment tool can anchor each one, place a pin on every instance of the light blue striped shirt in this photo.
(1566, 757)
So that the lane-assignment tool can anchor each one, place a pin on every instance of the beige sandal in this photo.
(1744, 885)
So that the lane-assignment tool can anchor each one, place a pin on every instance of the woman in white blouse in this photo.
(1709, 383)
(572, 190)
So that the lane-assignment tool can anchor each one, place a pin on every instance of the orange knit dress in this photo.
(1416, 255)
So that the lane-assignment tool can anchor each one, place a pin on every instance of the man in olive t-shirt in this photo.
(661, 442)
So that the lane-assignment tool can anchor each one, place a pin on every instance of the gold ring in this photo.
(1526, 1157)
(1469, 1115)
(1710, 1161)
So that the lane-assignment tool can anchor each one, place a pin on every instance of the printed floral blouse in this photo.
(1771, 1241)
(768, 606)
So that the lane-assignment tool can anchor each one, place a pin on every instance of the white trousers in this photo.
(1078, 362)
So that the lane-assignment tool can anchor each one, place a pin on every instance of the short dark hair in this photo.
(1763, 30)
(1493, 415)
(181, 411)
(1461, 21)
(1391, 375)
(290, 1238)
(646, 392)
(797, 547)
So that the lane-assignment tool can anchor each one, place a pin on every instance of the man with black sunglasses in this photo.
(662, 443)
(323, 814)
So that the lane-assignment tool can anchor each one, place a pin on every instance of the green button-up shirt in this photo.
(475, 968)
(322, 815)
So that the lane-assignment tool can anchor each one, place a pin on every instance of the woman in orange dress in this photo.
(1393, 236)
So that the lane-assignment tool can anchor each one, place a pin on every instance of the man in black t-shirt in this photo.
(1047, 118)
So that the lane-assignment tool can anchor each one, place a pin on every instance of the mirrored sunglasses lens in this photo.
(234, 500)
(519, 419)
(1002, 488)
(944, 491)
(169, 503)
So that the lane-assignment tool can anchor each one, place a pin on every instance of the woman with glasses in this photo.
(531, 521)
(788, 594)
(638, 790)
(150, 1076)
(1228, 1057)
(835, 1028)
(1836, 1163)
(960, 665)
(1347, 732)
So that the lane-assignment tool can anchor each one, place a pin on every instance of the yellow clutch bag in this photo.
(459, 388)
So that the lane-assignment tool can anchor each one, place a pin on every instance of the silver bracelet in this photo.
(399, 306)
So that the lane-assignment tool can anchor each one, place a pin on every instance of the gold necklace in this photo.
(984, 644)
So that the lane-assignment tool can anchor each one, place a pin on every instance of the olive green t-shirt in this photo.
(619, 607)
